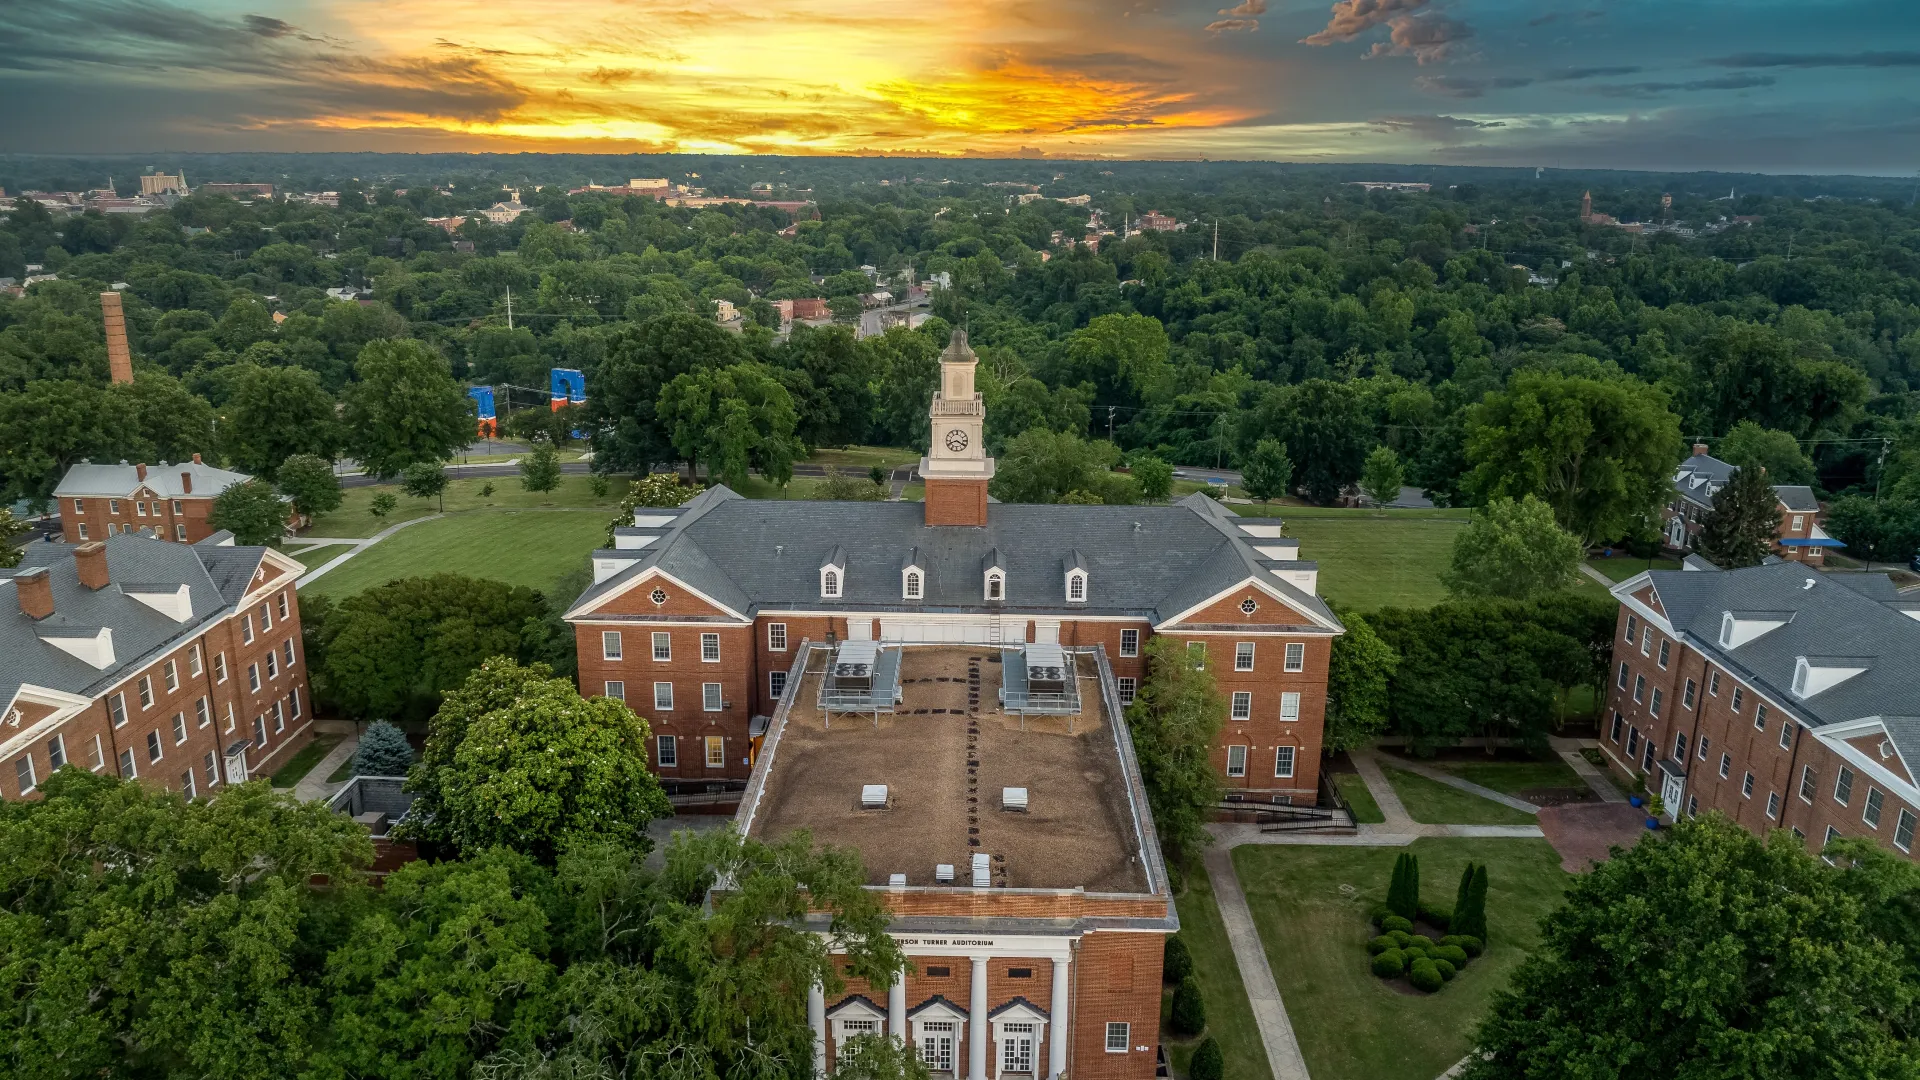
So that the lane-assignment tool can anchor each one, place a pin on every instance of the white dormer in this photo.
(1076, 582)
(833, 575)
(993, 577)
(175, 603)
(1739, 627)
(95, 649)
(913, 577)
(1814, 674)
(607, 564)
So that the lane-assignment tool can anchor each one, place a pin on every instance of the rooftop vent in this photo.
(1014, 798)
(982, 871)
(943, 873)
(873, 797)
(896, 881)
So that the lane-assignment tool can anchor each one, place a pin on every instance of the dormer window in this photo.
(1076, 587)
(1800, 669)
(996, 585)
(911, 587)
(832, 573)
(830, 582)
(1726, 630)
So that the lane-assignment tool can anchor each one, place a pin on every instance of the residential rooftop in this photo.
(945, 754)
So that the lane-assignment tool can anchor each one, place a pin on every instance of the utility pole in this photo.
(509, 307)
(1880, 467)
(1216, 239)
(1789, 245)
(1111, 409)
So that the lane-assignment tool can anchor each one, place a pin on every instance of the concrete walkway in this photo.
(1442, 776)
(313, 787)
(1382, 791)
(1605, 581)
(1269, 1012)
(1569, 751)
(358, 547)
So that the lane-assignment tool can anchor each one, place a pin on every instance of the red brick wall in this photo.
(956, 502)
(160, 518)
(688, 721)
(1117, 980)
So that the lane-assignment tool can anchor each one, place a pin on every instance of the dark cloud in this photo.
(1655, 89)
(1570, 74)
(1464, 86)
(1816, 60)
(266, 26)
(1441, 129)
(1429, 38)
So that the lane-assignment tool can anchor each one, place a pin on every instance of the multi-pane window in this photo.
(193, 660)
(260, 731)
(1236, 761)
(1119, 1035)
(146, 691)
(23, 773)
(1773, 804)
(1704, 743)
(1076, 588)
(1739, 696)
(667, 748)
(1875, 801)
(912, 585)
(220, 667)
(1843, 786)
(1726, 765)
(253, 676)
(830, 585)
(1746, 787)
(83, 529)
(1633, 743)
(1129, 643)
(126, 764)
(246, 628)
(1680, 746)
(1639, 688)
(1832, 835)
(1807, 784)
(97, 754)
(710, 697)
(1016, 1048)
(153, 746)
(1243, 656)
(1242, 704)
(57, 751)
(79, 506)
(1127, 685)
(293, 702)
(1786, 734)
(279, 601)
(1713, 683)
(117, 709)
(286, 650)
(1197, 652)
(1903, 830)
(1646, 641)
(279, 718)
(1283, 762)
(777, 637)
(776, 684)
(172, 674)
(1760, 717)
(1613, 733)
(716, 752)
(210, 765)
(179, 728)
(616, 689)
(709, 648)
(1654, 705)
(1296, 656)
(180, 533)
(186, 784)
(1621, 679)
(1290, 706)
(663, 696)
(113, 506)
(1646, 762)
(610, 646)
(1633, 627)
(1686, 695)
(232, 720)
(273, 666)
(266, 617)
(662, 645)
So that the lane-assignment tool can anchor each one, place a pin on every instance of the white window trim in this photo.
(781, 629)
(1241, 770)
(608, 689)
(1246, 649)
(1020, 1013)
(660, 704)
(1125, 1031)
(1290, 706)
(987, 582)
(1124, 651)
(1291, 755)
(611, 645)
(707, 747)
(1079, 576)
(913, 583)
(833, 580)
(666, 750)
(854, 1010)
(1295, 656)
(777, 675)
(713, 697)
(654, 641)
(704, 640)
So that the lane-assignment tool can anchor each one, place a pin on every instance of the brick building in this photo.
(99, 501)
(1782, 697)
(1009, 838)
(178, 664)
(696, 612)
(1798, 538)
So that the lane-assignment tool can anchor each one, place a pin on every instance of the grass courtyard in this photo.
(1373, 558)
(1432, 802)
(354, 519)
(1229, 1016)
(1310, 905)
(1513, 777)
(534, 548)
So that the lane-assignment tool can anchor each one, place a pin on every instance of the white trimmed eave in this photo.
(65, 707)
(584, 613)
(1267, 587)
(1624, 591)
(1835, 737)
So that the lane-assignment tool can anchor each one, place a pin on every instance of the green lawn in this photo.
(1358, 799)
(1434, 803)
(1622, 567)
(1513, 777)
(521, 547)
(862, 458)
(354, 520)
(1351, 1025)
(302, 763)
(313, 557)
(1229, 1016)
(1374, 559)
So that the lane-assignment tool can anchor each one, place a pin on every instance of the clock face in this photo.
(956, 440)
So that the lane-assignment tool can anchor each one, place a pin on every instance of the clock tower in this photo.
(957, 468)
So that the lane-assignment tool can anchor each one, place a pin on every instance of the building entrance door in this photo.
(936, 1046)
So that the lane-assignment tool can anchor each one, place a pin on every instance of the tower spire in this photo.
(956, 468)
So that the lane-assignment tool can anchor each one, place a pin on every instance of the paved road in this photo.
(573, 468)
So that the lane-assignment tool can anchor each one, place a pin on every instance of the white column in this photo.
(1057, 1023)
(897, 1007)
(817, 1020)
(977, 1022)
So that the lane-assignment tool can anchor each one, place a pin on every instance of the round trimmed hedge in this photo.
(1396, 922)
(1382, 944)
(1425, 975)
(1389, 964)
(1452, 954)
(1467, 942)
(1447, 971)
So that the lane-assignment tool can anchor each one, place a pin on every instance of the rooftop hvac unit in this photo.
(943, 873)
(853, 665)
(1046, 668)
(1013, 798)
(873, 797)
(982, 871)
(896, 881)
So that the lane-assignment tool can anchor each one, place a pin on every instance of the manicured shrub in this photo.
(1189, 1009)
(1389, 964)
(1425, 976)
(1452, 954)
(1434, 915)
(1403, 889)
(383, 751)
(1446, 970)
(1377, 914)
(1421, 940)
(1467, 942)
(1395, 922)
(1413, 952)
(1401, 939)
(1208, 1062)
(1177, 962)
(1382, 944)
(1470, 914)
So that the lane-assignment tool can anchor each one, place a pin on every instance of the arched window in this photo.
(1800, 671)
(996, 585)
(913, 585)
(830, 583)
(1076, 587)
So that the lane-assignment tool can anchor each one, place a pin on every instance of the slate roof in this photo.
(1840, 615)
(1703, 474)
(216, 577)
(1141, 561)
(119, 481)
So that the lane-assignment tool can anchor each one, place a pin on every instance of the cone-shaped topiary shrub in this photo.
(1189, 1008)
(1177, 963)
(1208, 1062)
(383, 751)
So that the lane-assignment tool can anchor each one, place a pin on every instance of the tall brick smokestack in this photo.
(119, 356)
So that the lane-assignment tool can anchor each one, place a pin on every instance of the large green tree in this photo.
(1359, 675)
(252, 511)
(1174, 718)
(1778, 452)
(1739, 529)
(1041, 466)
(641, 359)
(1325, 429)
(1599, 451)
(406, 408)
(735, 419)
(1710, 952)
(1514, 549)
(275, 413)
(311, 483)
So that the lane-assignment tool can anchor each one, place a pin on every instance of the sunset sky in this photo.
(1774, 85)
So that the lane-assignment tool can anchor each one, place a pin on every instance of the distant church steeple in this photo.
(957, 468)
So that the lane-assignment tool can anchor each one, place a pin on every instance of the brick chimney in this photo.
(196, 459)
(140, 472)
(119, 356)
(35, 587)
(186, 482)
(1699, 449)
(91, 560)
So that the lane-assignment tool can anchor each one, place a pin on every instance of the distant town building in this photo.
(98, 501)
(163, 184)
(1155, 221)
(239, 191)
(505, 213)
(1799, 536)
(1388, 185)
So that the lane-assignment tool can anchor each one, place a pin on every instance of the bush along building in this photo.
(179, 665)
(697, 613)
(1799, 537)
(1783, 698)
(99, 501)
